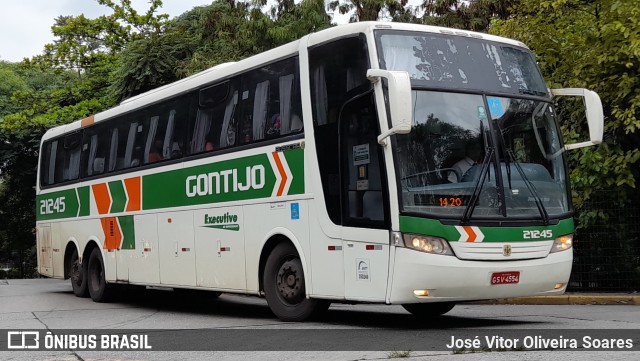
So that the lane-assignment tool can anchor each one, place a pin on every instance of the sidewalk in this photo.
(572, 299)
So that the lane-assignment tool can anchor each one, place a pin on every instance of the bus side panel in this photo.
(144, 261)
(177, 248)
(327, 261)
(43, 241)
(290, 219)
(219, 234)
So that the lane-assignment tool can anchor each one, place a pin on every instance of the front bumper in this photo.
(450, 279)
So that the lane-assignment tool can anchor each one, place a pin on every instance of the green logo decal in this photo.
(222, 222)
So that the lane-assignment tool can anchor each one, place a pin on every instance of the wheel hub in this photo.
(289, 283)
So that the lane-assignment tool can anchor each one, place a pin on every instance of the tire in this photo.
(99, 289)
(284, 286)
(78, 275)
(429, 310)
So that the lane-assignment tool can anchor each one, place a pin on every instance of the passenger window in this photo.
(95, 150)
(48, 167)
(127, 142)
(270, 102)
(68, 151)
(215, 125)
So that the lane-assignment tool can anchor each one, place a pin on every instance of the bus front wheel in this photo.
(284, 286)
(428, 310)
(99, 289)
(78, 275)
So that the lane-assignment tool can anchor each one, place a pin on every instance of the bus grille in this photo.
(501, 251)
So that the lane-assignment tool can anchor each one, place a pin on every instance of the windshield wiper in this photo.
(530, 186)
(466, 216)
(531, 92)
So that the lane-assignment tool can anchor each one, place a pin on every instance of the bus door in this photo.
(365, 210)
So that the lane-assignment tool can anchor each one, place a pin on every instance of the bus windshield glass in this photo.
(458, 62)
(440, 163)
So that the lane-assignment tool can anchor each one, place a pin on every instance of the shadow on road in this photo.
(252, 307)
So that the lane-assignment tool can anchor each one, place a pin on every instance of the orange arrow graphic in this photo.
(101, 195)
(471, 233)
(283, 174)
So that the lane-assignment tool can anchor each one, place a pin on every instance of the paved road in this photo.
(50, 304)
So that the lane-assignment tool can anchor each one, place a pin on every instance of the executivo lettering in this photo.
(225, 181)
(225, 221)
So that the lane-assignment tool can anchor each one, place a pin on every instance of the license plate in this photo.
(501, 278)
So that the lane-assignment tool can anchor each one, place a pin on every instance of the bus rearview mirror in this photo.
(594, 113)
(399, 100)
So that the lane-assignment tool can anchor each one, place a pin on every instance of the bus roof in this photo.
(226, 70)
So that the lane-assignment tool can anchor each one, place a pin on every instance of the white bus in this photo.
(371, 162)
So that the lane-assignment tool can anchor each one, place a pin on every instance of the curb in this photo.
(570, 299)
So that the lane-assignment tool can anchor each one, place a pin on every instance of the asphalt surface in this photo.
(46, 304)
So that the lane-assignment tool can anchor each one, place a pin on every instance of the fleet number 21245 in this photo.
(52, 205)
(534, 234)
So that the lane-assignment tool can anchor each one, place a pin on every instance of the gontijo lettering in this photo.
(225, 181)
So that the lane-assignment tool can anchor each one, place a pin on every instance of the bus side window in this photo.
(213, 127)
(95, 150)
(48, 167)
(271, 105)
(68, 158)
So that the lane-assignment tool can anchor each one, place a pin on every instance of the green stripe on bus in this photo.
(84, 195)
(435, 228)
(128, 232)
(252, 177)
(118, 196)
(295, 159)
(56, 205)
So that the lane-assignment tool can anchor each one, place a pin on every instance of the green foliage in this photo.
(372, 10)
(11, 82)
(596, 45)
(473, 15)
(209, 35)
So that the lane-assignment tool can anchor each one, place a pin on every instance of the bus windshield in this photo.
(457, 62)
(440, 162)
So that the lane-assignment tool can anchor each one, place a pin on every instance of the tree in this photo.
(209, 35)
(473, 15)
(595, 44)
(370, 10)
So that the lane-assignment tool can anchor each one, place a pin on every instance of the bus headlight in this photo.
(562, 243)
(427, 244)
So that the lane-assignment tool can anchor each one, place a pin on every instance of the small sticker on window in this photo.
(482, 113)
(245, 95)
(361, 154)
(495, 107)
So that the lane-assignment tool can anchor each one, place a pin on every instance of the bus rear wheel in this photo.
(99, 289)
(78, 275)
(429, 310)
(284, 286)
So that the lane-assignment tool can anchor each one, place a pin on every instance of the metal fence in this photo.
(607, 244)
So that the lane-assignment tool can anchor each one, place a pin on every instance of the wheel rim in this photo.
(290, 283)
